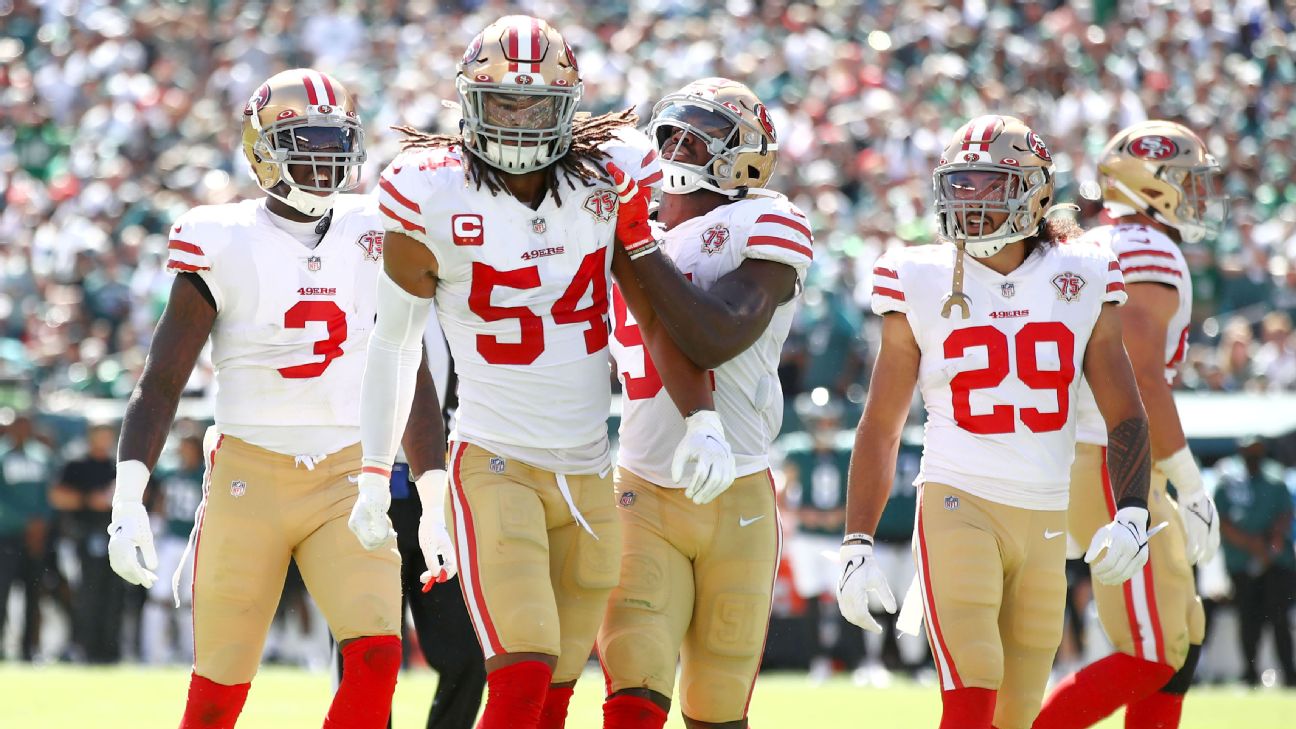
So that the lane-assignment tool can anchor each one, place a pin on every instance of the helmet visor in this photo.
(322, 159)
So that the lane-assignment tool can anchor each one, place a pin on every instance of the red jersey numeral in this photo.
(590, 276)
(330, 347)
(628, 335)
(1001, 418)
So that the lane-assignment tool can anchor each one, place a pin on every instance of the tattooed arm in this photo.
(1108, 371)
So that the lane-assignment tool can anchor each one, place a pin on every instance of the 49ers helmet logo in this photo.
(1153, 146)
(762, 115)
(258, 100)
(1037, 146)
(473, 51)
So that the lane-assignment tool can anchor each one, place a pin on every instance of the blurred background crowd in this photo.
(116, 117)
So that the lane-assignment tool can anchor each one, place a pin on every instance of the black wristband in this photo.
(1131, 501)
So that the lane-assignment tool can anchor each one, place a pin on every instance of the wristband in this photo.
(858, 538)
(132, 477)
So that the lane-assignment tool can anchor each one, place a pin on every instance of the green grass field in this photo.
(59, 697)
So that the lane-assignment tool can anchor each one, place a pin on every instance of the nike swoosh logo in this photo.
(176, 229)
(744, 522)
(1052, 534)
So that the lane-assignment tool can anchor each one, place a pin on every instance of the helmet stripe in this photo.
(312, 97)
(512, 50)
(535, 40)
(328, 89)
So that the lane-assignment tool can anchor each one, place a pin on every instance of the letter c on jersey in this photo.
(466, 229)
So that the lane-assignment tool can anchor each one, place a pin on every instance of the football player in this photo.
(998, 362)
(511, 226)
(285, 287)
(1159, 190)
(722, 272)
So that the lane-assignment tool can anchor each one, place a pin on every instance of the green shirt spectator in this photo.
(1255, 518)
(26, 467)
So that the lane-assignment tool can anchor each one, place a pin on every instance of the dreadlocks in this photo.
(581, 161)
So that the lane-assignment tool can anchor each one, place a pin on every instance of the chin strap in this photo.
(956, 297)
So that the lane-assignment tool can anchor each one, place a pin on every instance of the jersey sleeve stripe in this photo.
(178, 266)
(885, 273)
(796, 225)
(1113, 266)
(1151, 253)
(770, 240)
(1115, 286)
(893, 293)
(179, 245)
(652, 179)
(390, 189)
(403, 222)
(649, 158)
(1163, 270)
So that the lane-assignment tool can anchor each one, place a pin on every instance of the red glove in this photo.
(632, 229)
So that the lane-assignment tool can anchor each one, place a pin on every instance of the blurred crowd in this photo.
(116, 117)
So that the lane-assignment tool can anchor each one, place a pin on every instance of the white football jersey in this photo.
(292, 323)
(747, 392)
(522, 296)
(1000, 386)
(1146, 255)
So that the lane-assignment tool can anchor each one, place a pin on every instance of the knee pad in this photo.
(1182, 680)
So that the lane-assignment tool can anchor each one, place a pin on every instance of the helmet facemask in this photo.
(721, 132)
(318, 157)
(972, 197)
(515, 128)
(1202, 205)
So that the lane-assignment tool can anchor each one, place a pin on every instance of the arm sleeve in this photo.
(888, 291)
(391, 367)
(781, 234)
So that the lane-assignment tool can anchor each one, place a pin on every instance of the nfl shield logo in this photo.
(538, 225)
(237, 488)
(951, 503)
(496, 464)
(627, 499)
(314, 263)
(1007, 289)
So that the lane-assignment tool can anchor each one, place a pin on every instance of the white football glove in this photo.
(130, 529)
(1196, 509)
(1125, 539)
(438, 548)
(713, 463)
(860, 576)
(369, 520)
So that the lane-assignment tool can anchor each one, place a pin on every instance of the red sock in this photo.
(517, 696)
(632, 712)
(363, 699)
(554, 713)
(1094, 692)
(967, 708)
(213, 705)
(1160, 710)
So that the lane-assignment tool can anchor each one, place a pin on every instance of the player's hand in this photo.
(632, 229)
(1201, 526)
(1125, 541)
(861, 576)
(128, 532)
(704, 445)
(1200, 519)
(369, 520)
(433, 537)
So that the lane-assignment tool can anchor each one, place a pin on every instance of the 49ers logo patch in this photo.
(372, 244)
(714, 238)
(762, 116)
(601, 204)
(1068, 285)
(258, 100)
(1153, 146)
(1037, 146)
